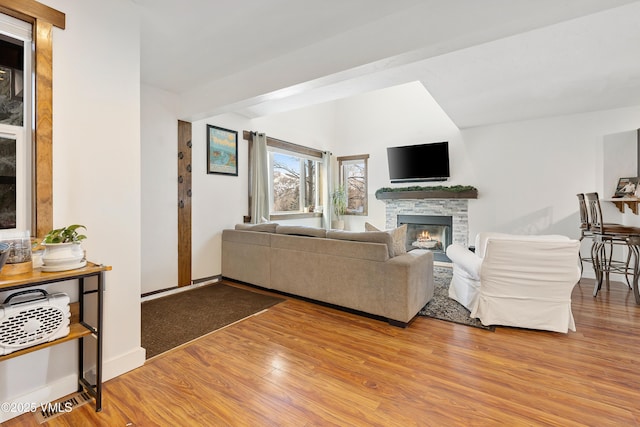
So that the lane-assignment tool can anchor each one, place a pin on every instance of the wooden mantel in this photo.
(437, 194)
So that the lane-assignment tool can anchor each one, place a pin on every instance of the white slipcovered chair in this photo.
(514, 280)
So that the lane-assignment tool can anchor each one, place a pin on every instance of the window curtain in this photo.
(259, 179)
(327, 186)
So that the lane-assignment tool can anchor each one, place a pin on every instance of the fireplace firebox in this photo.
(431, 232)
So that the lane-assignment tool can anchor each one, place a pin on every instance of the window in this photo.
(15, 124)
(294, 183)
(296, 180)
(41, 19)
(353, 176)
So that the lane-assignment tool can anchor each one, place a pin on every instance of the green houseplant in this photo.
(63, 249)
(339, 205)
(67, 234)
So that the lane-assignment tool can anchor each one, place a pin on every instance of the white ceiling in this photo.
(484, 61)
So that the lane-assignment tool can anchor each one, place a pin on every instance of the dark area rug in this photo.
(176, 319)
(444, 308)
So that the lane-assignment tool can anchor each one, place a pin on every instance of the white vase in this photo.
(58, 254)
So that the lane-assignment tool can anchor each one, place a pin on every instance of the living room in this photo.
(115, 167)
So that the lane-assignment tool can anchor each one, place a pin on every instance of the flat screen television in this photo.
(415, 163)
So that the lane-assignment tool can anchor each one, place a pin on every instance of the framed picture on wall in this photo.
(627, 187)
(222, 151)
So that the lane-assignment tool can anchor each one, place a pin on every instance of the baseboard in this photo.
(40, 396)
(170, 291)
(124, 363)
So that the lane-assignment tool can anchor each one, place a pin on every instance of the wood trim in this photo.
(354, 157)
(43, 18)
(277, 143)
(43, 134)
(289, 146)
(31, 10)
(470, 194)
(184, 203)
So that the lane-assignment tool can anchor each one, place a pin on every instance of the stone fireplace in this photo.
(445, 219)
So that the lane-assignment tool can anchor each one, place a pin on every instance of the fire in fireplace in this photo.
(430, 232)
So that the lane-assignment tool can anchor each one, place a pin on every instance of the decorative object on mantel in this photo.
(63, 249)
(626, 187)
(627, 193)
(433, 192)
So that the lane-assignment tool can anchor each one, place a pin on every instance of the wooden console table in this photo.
(78, 329)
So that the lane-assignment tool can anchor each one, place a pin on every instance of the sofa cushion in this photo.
(247, 237)
(330, 247)
(269, 227)
(364, 236)
(398, 236)
(301, 230)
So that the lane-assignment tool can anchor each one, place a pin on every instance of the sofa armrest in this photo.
(465, 259)
(408, 280)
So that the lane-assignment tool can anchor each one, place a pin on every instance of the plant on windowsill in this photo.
(63, 249)
(339, 204)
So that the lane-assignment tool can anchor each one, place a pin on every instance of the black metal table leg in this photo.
(598, 258)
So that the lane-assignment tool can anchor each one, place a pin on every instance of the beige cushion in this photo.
(301, 230)
(365, 236)
(398, 236)
(269, 227)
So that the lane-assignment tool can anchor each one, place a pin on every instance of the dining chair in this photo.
(605, 237)
(585, 229)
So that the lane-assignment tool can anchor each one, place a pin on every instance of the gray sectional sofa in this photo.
(363, 271)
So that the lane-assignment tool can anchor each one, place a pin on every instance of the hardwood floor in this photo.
(300, 364)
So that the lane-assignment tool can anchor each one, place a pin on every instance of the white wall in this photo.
(218, 201)
(620, 159)
(528, 173)
(159, 170)
(96, 182)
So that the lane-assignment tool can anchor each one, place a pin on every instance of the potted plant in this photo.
(63, 248)
(339, 204)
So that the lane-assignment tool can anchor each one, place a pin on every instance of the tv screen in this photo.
(415, 163)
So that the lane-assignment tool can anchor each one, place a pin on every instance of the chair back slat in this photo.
(584, 212)
(595, 211)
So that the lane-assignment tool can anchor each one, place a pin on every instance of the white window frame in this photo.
(345, 161)
(302, 196)
(20, 30)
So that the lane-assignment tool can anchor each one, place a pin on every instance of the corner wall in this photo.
(96, 182)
